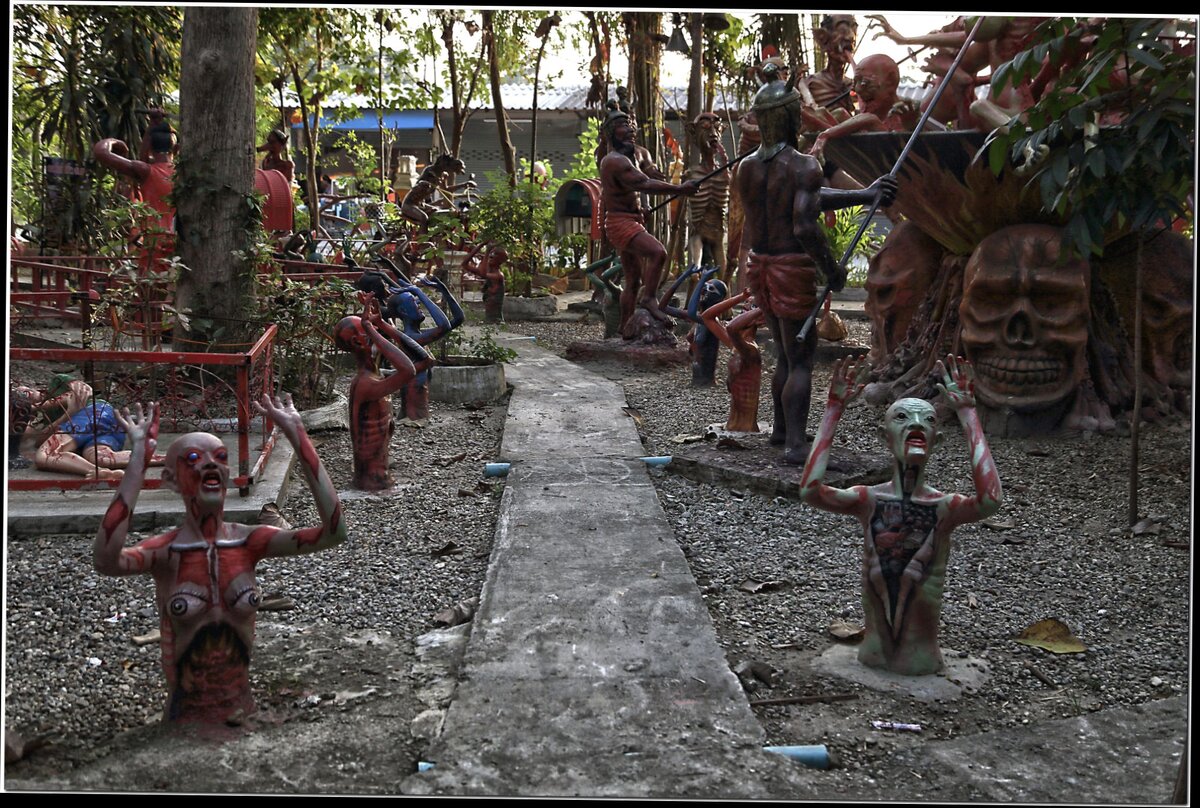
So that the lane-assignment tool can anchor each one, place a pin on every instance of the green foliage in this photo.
(842, 233)
(481, 346)
(365, 161)
(1106, 179)
(520, 219)
(306, 314)
(81, 73)
(583, 166)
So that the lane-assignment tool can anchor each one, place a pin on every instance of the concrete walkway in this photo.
(593, 668)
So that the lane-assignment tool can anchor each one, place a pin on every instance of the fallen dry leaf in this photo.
(459, 613)
(755, 586)
(449, 548)
(1146, 526)
(635, 414)
(1052, 635)
(846, 631)
(148, 638)
(446, 461)
(729, 443)
(971, 601)
(998, 524)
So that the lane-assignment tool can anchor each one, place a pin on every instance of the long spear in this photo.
(707, 176)
(866, 221)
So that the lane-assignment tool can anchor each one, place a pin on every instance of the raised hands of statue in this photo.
(848, 380)
(431, 281)
(141, 427)
(282, 413)
(958, 382)
(886, 28)
(370, 304)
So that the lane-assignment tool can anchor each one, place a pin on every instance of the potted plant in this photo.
(470, 368)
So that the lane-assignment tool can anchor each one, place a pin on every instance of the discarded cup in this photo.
(424, 765)
(657, 461)
(496, 469)
(897, 725)
(815, 755)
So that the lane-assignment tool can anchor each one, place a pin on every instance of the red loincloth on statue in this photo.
(783, 285)
(623, 228)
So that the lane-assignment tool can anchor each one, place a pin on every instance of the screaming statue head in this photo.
(910, 430)
(1025, 312)
(197, 466)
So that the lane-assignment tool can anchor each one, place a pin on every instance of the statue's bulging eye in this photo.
(192, 456)
(222, 455)
(183, 603)
(248, 596)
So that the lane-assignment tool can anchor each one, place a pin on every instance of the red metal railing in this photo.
(188, 393)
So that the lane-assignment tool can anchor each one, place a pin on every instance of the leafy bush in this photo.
(840, 235)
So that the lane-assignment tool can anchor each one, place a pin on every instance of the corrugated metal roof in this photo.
(518, 96)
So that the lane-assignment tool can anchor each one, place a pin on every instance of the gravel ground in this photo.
(77, 677)
(1065, 556)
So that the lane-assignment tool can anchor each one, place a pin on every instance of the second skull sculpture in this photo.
(1025, 313)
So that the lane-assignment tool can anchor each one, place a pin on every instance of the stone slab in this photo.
(759, 466)
(50, 512)
(962, 675)
(1119, 756)
(627, 353)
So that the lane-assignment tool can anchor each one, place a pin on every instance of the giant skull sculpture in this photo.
(1025, 319)
(899, 277)
(1167, 312)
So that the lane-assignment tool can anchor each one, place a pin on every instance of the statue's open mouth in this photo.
(211, 481)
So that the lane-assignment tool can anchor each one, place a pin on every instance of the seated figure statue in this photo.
(906, 522)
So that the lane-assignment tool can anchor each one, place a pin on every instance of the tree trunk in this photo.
(214, 178)
(695, 87)
(640, 27)
(506, 146)
(1136, 416)
(383, 140)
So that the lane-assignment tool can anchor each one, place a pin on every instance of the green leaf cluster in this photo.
(1110, 144)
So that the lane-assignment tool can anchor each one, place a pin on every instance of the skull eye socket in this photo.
(222, 455)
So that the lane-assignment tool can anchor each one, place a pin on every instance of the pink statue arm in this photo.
(849, 378)
(272, 541)
(424, 359)
(958, 389)
(864, 121)
(111, 152)
(110, 556)
(711, 317)
(743, 328)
